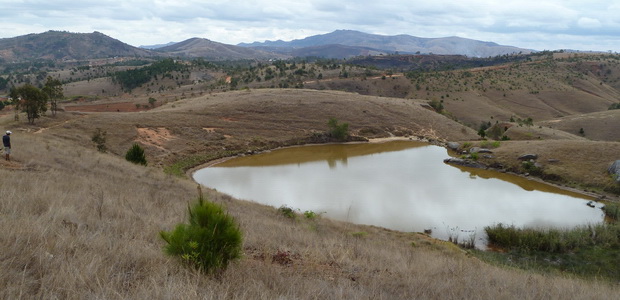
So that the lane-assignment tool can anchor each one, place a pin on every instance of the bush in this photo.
(209, 242)
(612, 210)
(338, 131)
(532, 168)
(99, 138)
(135, 154)
(310, 214)
(287, 212)
(436, 105)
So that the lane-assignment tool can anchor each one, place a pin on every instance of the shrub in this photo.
(152, 101)
(532, 168)
(310, 214)
(135, 154)
(338, 131)
(209, 242)
(99, 138)
(287, 212)
(436, 105)
(612, 210)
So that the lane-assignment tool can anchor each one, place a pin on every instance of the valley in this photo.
(187, 112)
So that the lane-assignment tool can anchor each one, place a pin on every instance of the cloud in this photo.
(588, 23)
(526, 23)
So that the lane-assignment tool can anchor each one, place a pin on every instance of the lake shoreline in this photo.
(591, 195)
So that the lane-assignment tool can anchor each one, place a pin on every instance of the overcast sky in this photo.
(534, 24)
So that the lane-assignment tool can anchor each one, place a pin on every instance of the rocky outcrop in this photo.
(464, 163)
(479, 150)
(528, 157)
(614, 170)
(453, 146)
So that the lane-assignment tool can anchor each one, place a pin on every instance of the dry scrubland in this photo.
(543, 89)
(78, 224)
(259, 119)
(579, 163)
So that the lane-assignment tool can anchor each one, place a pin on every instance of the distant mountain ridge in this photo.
(62, 45)
(199, 47)
(405, 44)
(156, 46)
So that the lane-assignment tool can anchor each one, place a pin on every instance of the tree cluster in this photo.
(31, 100)
(134, 78)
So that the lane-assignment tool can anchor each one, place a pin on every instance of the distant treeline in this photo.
(134, 78)
(426, 62)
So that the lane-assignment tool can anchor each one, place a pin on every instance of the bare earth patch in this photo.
(156, 137)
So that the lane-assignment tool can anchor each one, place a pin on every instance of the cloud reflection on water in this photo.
(401, 187)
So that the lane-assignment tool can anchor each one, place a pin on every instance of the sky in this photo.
(533, 24)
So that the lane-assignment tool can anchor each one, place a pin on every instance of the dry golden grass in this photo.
(263, 118)
(578, 162)
(537, 132)
(78, 224)
(599, 126)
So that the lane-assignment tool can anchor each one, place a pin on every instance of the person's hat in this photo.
(8, 132)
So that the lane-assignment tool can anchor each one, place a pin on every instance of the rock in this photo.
(614, 170)
(553, 160)
(453, 146)
(479, 150)
(464, 163)
(528, 156)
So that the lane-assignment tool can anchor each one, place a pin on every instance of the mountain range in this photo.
(405, 44)
(62, 45)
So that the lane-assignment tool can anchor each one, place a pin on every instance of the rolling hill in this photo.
(199, 47)
(62, 45)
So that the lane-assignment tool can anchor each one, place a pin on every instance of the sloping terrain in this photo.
(61, 45)
(598, 126)
(204, 48)
(80, 224)
(266, 118)
(542, 89)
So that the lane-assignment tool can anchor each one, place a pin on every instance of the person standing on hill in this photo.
(6, 141)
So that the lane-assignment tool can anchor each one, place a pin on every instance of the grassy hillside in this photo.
(542, 89)
(81, 224)
(598, 126)
(260, 120)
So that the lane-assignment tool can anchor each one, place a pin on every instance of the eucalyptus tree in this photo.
(31, 100)
(53, 89)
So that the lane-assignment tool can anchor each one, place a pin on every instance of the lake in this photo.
(400, 185)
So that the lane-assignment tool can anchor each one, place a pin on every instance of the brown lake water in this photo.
(401, 185)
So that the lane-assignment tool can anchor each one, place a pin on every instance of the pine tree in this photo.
(135, 154)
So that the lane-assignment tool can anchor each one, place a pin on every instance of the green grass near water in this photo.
(589, 251)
